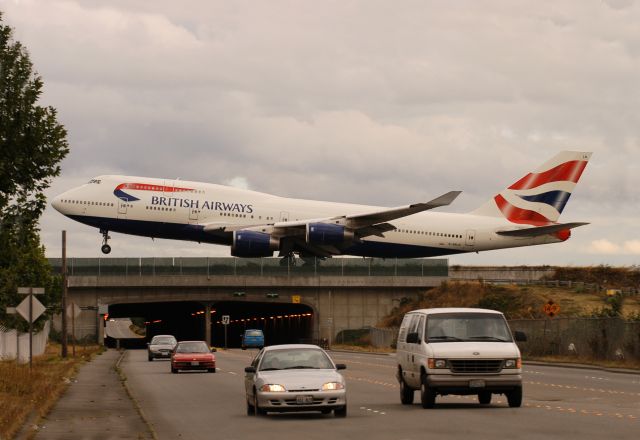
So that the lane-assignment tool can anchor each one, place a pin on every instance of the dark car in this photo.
(193, 355)
(161, 346)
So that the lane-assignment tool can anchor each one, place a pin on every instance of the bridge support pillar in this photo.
(207, 323)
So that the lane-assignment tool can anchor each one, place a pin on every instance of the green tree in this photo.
(32, 145)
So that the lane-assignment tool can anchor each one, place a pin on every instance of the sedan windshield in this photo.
(295, 358)
(163, 341)
(192, 347)
(454, 327)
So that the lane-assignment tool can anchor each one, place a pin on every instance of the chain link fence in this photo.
(585, 338)
(588, 338)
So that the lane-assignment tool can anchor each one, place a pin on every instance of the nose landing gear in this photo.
(105, 238)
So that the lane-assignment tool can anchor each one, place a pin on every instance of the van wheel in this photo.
(406, 393)
(514, 397)
(484, 397)
(427, 395)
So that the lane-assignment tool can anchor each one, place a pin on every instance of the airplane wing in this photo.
(363, 225)
(540, 230)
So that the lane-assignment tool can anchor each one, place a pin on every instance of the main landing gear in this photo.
(105, 239)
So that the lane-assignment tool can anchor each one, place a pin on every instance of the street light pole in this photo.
(64, 294)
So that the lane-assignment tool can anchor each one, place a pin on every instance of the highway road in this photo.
(558, 403)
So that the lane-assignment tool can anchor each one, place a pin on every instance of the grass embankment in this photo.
(23, 392)
(516, 302)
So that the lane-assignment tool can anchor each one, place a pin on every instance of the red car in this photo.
(193, 355)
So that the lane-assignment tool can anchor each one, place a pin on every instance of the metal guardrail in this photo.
(177, 266)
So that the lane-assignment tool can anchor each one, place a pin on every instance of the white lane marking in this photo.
(232, 372)
(374, 411)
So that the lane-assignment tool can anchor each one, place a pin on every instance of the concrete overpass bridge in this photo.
(188, 296)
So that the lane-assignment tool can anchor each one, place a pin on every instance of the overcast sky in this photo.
(373, 102)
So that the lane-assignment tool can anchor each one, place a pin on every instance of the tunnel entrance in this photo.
(282, 323)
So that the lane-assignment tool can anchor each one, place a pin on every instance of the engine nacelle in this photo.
(250, 244)
(328, 234)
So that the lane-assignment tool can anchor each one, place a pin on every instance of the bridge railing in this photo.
(217, 266)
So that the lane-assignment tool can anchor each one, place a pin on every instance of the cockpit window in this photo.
(94, 181)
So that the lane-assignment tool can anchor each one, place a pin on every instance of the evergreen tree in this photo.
(32, 145)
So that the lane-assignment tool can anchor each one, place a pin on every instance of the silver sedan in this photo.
(295, 377)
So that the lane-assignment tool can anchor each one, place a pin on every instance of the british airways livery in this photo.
(256, 224)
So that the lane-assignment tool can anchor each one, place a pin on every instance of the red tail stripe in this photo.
(568, 171)
(148, 187)
(519, 215)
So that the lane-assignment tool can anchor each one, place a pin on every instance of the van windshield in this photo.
(454, 327)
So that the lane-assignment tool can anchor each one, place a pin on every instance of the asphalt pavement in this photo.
(558, 403)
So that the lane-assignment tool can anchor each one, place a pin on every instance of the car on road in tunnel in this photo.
(193, 355)
(252, 338)
(161, 346)
(295, 377)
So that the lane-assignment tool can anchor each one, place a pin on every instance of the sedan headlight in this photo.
(437, 363)
(513, 363)
(272, 388)
(331, 386)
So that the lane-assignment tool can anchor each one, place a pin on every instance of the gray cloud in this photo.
(365, 102)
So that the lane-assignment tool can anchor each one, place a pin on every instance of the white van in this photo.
(458, 351)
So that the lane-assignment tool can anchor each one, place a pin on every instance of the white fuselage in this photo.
(180, 210)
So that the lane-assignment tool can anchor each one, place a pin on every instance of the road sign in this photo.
(551, 309)
(73, 309)
(295, 299)
(225, 319)
(23, 308)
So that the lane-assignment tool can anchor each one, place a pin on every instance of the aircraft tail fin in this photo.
(539, 197)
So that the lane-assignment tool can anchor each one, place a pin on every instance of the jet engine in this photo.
(328, 234)
(251, 244)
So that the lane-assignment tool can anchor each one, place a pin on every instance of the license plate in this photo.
(195, 364)
(304, 400)
(476, 383)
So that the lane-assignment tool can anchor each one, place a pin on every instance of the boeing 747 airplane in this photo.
(255, 224)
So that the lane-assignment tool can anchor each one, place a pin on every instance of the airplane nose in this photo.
(57, 203)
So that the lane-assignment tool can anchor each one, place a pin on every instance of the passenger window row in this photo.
(86, 202)
(434, 234)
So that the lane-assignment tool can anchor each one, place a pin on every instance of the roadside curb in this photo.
(582, 367)
(123, 381)
(368, 353)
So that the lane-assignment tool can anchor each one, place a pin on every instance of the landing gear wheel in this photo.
(514, 397)
(406, 393)
(427, 395)
(484, 397)
(105, 241)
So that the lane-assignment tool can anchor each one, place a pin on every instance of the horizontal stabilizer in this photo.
(540, 230)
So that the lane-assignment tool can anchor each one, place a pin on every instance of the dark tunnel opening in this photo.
(282, 323)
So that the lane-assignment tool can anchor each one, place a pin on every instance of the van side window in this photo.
(420, 329)
(415, 324)
(404, 327)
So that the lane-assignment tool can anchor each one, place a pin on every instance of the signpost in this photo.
(295, 299)
(225, 322)
(30, 309)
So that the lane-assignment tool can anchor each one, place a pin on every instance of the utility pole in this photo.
(64, 294)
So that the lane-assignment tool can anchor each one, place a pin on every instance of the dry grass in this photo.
(23, 392)
(517, 302)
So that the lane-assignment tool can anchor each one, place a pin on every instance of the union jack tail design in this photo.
(539, 197)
